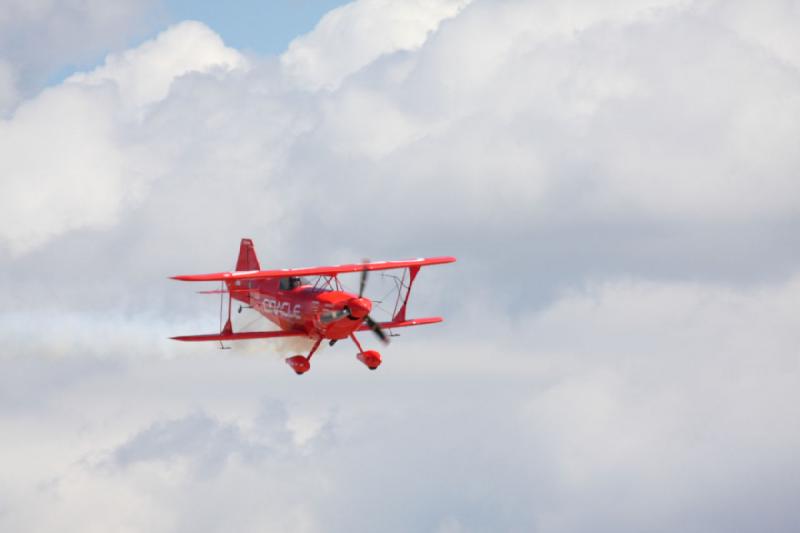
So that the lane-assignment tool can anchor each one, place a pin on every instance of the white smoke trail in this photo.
(279, 347)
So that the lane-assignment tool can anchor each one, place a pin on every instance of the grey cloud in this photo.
(203, 441)
(38, 38)
(555, 436)
(208, 443)
(591, 448)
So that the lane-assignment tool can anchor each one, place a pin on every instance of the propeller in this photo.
(346, 312)
(363, 282)
(374, 326)
(376, 329)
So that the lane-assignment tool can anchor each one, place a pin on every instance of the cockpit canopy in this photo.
(289, 283)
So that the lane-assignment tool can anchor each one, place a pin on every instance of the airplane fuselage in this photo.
(319, 313)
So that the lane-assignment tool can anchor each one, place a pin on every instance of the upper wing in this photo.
(316, 271)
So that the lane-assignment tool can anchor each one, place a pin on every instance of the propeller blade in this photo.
(363, 279)
(376, 329)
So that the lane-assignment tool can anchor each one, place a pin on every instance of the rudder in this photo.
(247, 256)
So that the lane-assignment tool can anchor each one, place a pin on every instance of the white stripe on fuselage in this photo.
(271, 306)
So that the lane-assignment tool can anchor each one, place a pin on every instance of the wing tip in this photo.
(439, 260)
(183, 277)
(219, 276)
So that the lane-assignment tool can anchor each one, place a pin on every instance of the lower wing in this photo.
(274, 334)
(405, 323)
(240, 336)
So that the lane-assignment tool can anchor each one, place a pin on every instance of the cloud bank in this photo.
(38, 38)
(617, 179)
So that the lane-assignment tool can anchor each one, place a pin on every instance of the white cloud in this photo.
(706, 324)
(144, 74)
(616, 178)
(70, 163)
(614, 109)
(769, 25)
(356, 34)
(64, 168)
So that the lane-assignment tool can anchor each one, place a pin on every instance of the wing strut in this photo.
(400, 315)
(228, 328)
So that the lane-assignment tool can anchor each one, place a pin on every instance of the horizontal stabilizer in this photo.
(232, 291)
(316, 271)
(405, 323)
(244, 335)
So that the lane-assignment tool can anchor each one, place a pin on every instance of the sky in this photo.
(618, 181)
(260, 27)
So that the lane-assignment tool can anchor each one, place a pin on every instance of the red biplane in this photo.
(320, 310)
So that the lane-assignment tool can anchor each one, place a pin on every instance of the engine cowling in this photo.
(299, 364)
(371, 358)
(359, 307)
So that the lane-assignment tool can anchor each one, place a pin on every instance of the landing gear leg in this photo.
(314, 349)
(370, 358)
(301, 364)
(358, 344)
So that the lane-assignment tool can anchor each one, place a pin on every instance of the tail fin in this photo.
(247, 256)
